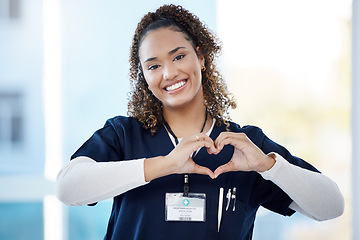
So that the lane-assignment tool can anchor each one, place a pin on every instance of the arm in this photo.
(85, 181)
(314, 194)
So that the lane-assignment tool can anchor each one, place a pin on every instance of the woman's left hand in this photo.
(247, 156)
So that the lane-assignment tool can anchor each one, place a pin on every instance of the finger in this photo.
(223, 169)
(220, 139)
(201, 137)
(221, 142)
(235, 139)
(212, 150)
(203, 140)
(204, 171)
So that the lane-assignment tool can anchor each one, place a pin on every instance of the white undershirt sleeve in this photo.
(85, 181)
(314, 194)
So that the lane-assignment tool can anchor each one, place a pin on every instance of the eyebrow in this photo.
(169, 53)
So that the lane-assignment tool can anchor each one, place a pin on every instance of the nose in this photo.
(170, 71)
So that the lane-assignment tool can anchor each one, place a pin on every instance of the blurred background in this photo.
(64, 71)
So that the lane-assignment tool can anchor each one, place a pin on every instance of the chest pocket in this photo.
(238, 223)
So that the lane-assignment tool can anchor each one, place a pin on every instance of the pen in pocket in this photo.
(231, 197)
(221, 196)
(228, 199)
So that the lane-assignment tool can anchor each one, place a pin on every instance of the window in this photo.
(11, 120)
(10, 9)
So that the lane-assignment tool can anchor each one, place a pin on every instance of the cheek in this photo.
(192, 68)
(197, 72)
(152, 81)
(197, 67)
(148, 79)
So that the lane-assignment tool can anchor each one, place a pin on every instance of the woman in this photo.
(167, 165)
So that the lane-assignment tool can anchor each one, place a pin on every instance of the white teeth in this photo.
(175, 86)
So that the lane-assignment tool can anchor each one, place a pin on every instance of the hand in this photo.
(247, 156)
(180, 156)
(179, 159)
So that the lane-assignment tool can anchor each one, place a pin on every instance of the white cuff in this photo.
(279, 160)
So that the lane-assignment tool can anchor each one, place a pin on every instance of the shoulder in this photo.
(119, 127)
(251, 129)
(122, 123)
(122, 120)
(126, 127)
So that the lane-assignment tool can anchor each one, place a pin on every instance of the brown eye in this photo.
(153, 67)
(178, 57)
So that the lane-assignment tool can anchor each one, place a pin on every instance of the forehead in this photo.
(161, 41)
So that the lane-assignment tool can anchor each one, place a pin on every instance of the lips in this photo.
(175, 86)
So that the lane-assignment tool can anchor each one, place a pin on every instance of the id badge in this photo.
(190, 208)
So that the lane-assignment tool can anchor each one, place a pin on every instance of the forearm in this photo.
(85, 181)
(157, 167)
(314, 193)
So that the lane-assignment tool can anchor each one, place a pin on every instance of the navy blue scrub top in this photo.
(140, 212)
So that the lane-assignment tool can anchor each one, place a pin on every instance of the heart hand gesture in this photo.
(247, 157)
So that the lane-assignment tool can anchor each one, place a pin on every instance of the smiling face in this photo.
(172, 68)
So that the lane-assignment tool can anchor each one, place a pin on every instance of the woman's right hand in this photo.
(179, 159)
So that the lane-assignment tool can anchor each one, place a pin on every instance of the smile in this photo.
(175, 86)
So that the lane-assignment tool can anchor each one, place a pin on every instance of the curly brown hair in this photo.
(143, 105)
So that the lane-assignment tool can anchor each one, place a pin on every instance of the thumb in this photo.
(204, 170)
(223, 169)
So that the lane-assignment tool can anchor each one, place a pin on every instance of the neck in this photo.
(186, 122)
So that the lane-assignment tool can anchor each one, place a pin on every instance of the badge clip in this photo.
(186, 185)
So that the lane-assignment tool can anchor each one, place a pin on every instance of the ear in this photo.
(200, 56)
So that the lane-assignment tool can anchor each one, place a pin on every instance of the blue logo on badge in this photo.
(186, 202)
